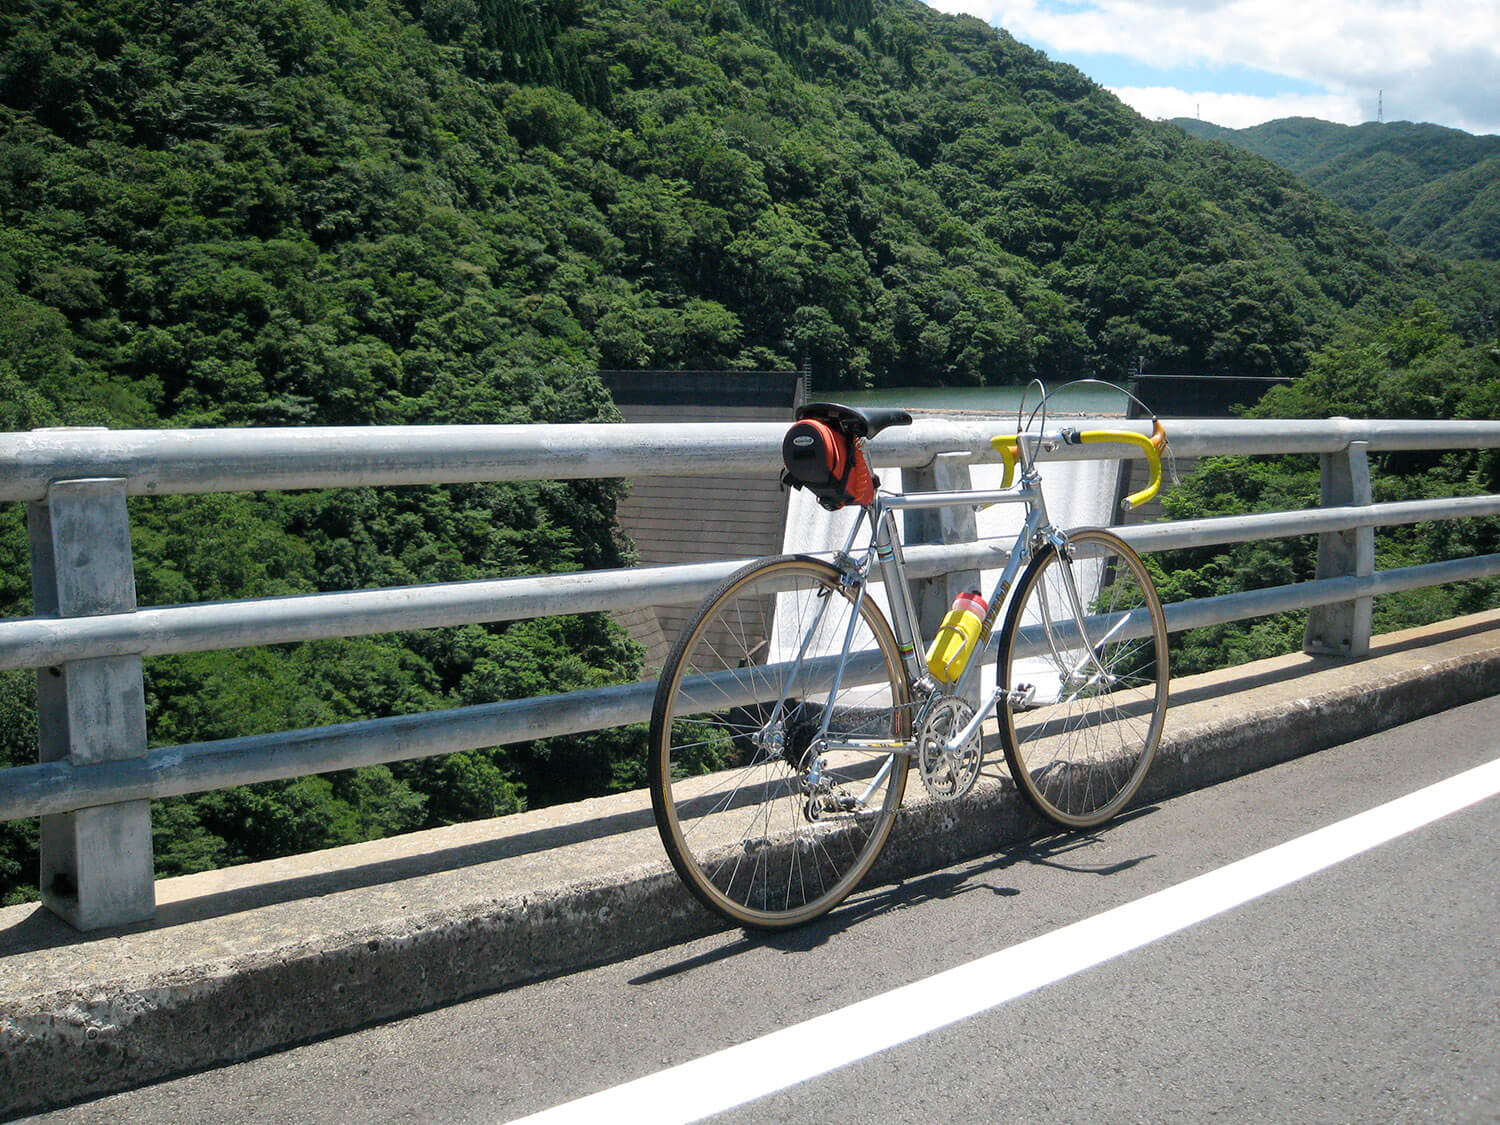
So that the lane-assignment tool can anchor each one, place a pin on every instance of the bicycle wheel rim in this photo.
(1080, 751)
(735, 710)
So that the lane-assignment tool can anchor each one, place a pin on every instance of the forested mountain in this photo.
(286, 212)
(261, 211)
(1433, 188)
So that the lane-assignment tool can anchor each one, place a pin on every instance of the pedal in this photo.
(1022, 697)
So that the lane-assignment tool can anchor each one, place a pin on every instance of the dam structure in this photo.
(701, 518)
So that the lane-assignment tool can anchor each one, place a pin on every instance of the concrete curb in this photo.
(234, 967)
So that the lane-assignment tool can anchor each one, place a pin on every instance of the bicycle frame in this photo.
(885, 542)
(790, 710)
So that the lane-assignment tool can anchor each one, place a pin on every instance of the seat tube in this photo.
(898, 592)
(988, 643)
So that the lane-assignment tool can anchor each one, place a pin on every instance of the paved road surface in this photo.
(1368, 990)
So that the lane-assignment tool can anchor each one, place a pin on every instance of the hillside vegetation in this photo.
(1412, 367)
(1432, 188)
(268, 211)
(288, 212)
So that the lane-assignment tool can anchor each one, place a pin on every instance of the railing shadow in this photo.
(43, 930)
(1231, 684)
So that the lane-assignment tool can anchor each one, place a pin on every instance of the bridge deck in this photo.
(254, 958)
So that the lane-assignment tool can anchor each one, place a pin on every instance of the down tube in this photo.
(989, 637)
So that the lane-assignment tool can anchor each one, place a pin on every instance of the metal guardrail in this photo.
(95, 779)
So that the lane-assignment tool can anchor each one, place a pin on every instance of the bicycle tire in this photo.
(754, 833)
(1080, 748)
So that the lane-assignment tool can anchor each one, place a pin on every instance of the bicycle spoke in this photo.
(765, 825)
(1082, 751)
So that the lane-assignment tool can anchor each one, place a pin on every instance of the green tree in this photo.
(1415, 366)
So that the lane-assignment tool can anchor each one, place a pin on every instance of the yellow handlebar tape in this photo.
(1008, 448)
(1010, 453)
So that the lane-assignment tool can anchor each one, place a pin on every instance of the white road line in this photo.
(740, 1074)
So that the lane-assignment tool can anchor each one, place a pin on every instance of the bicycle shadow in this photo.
(940, 886)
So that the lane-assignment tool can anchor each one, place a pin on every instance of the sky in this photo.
(1242, 62)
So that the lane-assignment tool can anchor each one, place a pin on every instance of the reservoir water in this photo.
(1087, 398)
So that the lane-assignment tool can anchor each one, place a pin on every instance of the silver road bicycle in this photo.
(800, 696)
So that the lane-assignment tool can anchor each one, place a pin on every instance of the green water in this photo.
(1089, 398)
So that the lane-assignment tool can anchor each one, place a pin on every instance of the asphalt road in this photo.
(1368, 990)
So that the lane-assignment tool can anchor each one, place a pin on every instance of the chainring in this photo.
(947, 775)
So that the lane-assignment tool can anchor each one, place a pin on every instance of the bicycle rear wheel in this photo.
(1080, 745)
(766, 823)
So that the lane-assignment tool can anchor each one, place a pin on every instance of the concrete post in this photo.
(96, 865)
(1343, 629)
(947, 472)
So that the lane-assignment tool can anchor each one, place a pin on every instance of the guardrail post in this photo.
(947, 472)
(96, 867)
(1343, 629)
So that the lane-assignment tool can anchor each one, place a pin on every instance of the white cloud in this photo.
(1436, 60)
(1237, 111)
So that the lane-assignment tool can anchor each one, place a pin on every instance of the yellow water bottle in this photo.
(954, 643)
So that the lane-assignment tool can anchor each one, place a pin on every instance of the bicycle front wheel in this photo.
(777, 743)
(1087, 697)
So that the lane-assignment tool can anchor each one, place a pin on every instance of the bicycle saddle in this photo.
(853, 421)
